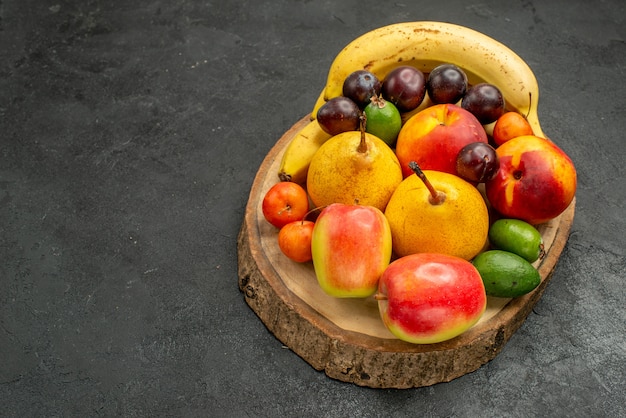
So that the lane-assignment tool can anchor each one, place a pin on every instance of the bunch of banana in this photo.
(295, 162)
(423, 45)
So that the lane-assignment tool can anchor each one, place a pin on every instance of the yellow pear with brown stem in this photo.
(437, 212)
(353, 167)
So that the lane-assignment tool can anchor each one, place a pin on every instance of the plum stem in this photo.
(436, 197)
(312, 214)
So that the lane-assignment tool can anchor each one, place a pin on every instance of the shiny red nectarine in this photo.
(536, 181)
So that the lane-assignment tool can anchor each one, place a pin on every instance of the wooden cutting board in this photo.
(346, 337)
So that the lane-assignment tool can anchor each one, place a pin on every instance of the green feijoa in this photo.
(383, 119)
(505, 274)
(516, 236)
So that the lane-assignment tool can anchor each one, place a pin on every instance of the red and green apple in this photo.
(351, 247)
(428, 298)
(434, 136)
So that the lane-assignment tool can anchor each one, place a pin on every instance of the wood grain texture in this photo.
(346, 337)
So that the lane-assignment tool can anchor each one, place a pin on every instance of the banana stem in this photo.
(436, 197)
(530, 104)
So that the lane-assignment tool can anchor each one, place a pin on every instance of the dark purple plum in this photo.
(360, 86)
(446, 83)
(485, 101)
(405, 87)
(477, 162)
(338, 115)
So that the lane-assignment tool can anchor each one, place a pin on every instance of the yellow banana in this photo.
(427, 44)
(295, 161)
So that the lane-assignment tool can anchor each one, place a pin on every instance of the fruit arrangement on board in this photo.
(421, 178)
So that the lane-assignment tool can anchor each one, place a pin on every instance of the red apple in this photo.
(294, 240)
(536, 180)
(428, 298)
(351, 246)
(434, 136)
(285, 202)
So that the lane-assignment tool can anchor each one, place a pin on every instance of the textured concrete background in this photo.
(130, 132)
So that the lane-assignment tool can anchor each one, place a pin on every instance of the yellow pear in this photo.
(353, 167)
(437, 212)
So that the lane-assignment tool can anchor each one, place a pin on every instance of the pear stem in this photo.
(362, 148)
(436, 198)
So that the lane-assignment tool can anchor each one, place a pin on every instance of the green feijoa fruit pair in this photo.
(505, 274)
(383, 120)
(516, 236)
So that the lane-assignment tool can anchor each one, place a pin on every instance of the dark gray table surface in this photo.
(130, 133)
